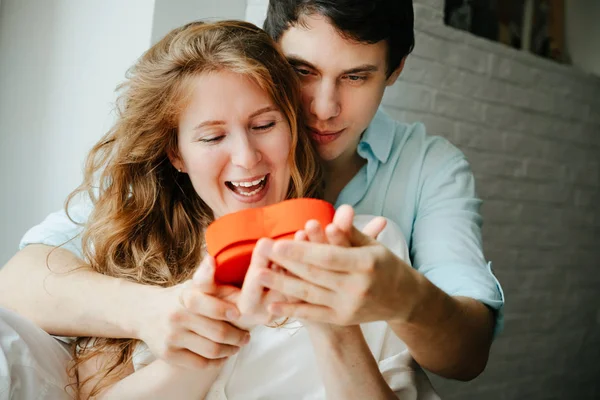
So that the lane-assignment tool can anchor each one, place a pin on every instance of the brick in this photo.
(427, 14)
(450, 53)
(585, 197)
(518, 144)
(427, 46)
(513, 71)
(501, 211)
(435, 4)
(478, 137)
(460, 108)
(495, 165)
(408, 96)
(423, 71)
(505, 118)
(544, 171)
(436, 125)
(584, 173)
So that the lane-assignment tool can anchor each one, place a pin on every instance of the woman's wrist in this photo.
(333, 336)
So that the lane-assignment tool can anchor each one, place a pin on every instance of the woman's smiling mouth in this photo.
(250, 190)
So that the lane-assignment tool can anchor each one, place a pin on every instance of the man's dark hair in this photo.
(366, 21)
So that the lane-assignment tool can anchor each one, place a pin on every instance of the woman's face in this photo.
(234, 144)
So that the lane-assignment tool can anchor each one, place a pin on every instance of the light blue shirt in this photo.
(425, 185)
(422, 183)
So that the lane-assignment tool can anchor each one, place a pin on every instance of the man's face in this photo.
(342, 83)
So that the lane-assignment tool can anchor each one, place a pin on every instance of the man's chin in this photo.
(329, 152)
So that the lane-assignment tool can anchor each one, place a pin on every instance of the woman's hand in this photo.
(189, 325)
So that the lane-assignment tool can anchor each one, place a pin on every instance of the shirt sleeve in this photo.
(58, 230)
(446, 241)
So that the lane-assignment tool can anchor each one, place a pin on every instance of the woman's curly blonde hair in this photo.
(148, 223)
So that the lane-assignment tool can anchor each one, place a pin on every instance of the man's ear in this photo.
(394, 76)
(176, 161)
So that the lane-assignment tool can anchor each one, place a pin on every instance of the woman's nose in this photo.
(245, 153)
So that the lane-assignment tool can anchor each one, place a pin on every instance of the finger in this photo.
(315, 232)
(303, 311)
(323, 256)
(297, 288)
(360, 239)
(301, 236)
(252, 290)
(336, 237)
(203, 304)
(218, 331)
(205, 347)
(344, 217)
(375, 227)
(204, 277)
(321, 277)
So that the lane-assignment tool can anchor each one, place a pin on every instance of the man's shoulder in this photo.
(412, 141)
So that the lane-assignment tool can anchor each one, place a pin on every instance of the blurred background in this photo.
(514, 84)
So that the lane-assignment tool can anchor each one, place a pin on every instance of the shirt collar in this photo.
(378, 137)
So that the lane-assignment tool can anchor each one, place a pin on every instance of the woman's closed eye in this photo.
(211, 139)
(264, 127)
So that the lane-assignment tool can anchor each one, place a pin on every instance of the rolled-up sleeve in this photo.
(447, 245)
(58, 230)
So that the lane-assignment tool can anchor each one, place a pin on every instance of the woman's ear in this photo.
(394, 76)
(176, 161)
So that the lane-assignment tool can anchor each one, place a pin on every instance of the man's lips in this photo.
(324, 137)
(324, 133)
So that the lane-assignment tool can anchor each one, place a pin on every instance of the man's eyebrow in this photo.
(254, 114)
(295, 61)
(362, 68)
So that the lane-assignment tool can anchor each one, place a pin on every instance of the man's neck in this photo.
(339, 172)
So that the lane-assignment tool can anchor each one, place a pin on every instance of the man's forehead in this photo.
(316, 42)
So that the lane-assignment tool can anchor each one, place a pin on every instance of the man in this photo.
(445, 308)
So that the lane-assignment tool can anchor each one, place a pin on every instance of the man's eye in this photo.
(264, 127)
(356, 78)
(302, 71)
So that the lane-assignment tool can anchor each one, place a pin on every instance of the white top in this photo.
(279, 363)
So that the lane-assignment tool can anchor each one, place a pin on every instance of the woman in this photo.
(208, 126)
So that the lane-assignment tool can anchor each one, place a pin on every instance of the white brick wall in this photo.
(531, 130)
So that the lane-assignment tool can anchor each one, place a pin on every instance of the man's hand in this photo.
(336, 284)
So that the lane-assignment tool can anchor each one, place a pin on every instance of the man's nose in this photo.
(325, 103)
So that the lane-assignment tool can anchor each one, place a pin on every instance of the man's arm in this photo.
(54, 289)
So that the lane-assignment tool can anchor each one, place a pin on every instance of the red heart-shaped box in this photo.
(231, 238)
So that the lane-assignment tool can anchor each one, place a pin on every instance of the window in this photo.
(530, 25)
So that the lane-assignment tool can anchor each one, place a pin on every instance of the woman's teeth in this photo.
(248, 184)
(249, 188)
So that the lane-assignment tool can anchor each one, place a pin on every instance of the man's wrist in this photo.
(420, 292)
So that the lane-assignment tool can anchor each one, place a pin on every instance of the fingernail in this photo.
(246, 339)
(232, 314)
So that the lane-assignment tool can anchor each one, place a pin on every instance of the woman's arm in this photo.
(72, 301)
(158, 380)
(347, 364)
